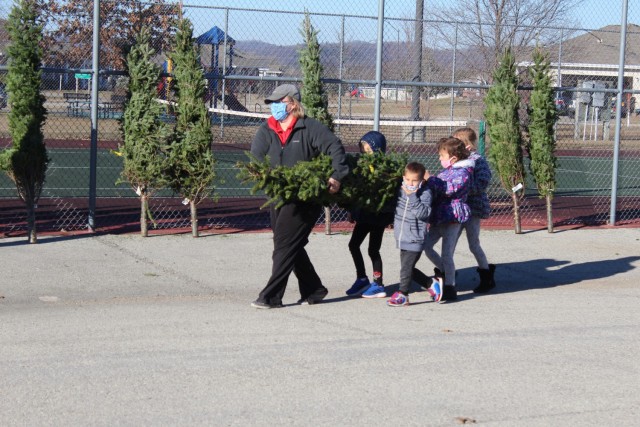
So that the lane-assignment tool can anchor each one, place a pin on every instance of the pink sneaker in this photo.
(435, 291)
(398, 299)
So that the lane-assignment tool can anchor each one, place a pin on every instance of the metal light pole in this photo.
(417, 71)
(376, 107)
(616, 144)
(397, 53)
(453, 74)
(93, 151)
(340, 68)
(560, 64)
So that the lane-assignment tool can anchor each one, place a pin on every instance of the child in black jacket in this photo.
(372, 224)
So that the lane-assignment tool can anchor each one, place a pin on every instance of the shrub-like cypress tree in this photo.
(314, 99)
(145, 135)
(191, 161)
(26, 160)
(501, 113)
(542, 119)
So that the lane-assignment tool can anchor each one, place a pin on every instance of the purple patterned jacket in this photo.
(450, 189)
(478, 200)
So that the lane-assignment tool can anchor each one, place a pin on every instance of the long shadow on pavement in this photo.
(45, 240)
(522, 276)
(546, 273)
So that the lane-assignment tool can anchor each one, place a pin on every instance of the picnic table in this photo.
(79, 105)
(76, 96)
(77, 102)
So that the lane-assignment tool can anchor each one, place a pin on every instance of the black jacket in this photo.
(308, 139)
(382, 218)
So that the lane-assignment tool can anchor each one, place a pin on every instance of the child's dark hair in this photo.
(466, 135)
(415, 167)
(453, 147)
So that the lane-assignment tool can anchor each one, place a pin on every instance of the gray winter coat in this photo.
(411, 217)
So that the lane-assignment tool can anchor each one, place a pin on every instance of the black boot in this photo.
(487, 282)
(449, 293)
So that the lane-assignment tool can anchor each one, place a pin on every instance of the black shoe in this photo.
(315, 297)
(449, 293)
(487, 282)
(264, 305)
(483, 288)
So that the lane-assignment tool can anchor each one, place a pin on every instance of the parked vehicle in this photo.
(561, 106)
(564, 104)
(623, 109)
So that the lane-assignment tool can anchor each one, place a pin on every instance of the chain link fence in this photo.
(427, 89)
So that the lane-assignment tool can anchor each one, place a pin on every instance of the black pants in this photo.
(409, 272)
(291, 225)
(375, 232)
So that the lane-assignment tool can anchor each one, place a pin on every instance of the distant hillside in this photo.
(256, 53)
(359, 59)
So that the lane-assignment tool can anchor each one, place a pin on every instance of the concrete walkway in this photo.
(120, 330)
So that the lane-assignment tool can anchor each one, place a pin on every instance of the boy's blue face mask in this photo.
(279, 110)
(411, 187)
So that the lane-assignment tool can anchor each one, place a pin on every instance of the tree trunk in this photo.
(549, 213)
(194, 218)
(327, 220)
(144, 208)
(31, 223)
(516, 213)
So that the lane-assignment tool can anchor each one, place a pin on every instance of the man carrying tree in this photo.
(289, 137)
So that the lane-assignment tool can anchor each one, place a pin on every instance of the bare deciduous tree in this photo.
(70, 28)
(488, 27)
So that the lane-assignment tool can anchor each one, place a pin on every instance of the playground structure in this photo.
(211, 45)
(218, 44)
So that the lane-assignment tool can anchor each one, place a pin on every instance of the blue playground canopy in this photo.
(214, 36)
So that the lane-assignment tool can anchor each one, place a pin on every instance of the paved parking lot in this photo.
(120, 330)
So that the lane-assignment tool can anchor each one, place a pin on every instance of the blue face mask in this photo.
(279, 110)
(411, 187)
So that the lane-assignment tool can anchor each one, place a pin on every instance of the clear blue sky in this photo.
(593, 14)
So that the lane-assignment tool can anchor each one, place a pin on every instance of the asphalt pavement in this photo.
(123, 330)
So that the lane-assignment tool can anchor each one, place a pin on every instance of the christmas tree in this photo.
(373, 182)
(26, 160)
(501, 112)
(191, 161)
(145, 136)
(542, 119)
(313, 97)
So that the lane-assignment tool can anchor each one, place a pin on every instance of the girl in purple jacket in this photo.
(450, 209)
(478, 201)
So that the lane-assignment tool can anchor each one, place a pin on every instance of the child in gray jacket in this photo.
(410, 227)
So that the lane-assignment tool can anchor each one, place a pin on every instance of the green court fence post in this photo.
(482, 132)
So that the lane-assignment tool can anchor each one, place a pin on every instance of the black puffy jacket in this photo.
(308, 139)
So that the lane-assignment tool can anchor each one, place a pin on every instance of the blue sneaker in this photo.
(398, 299)
(359, 286)
(375, 291)
(435, 290)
